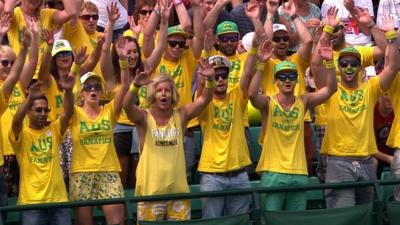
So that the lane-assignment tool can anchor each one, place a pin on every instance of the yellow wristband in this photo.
(260, 66)
(123, 64)
(253, 51)
(210, 84)
(75, 68)
(391, 35)
(328, 29)
(329, 65)
(48, 48)
(133, 89)
(204, 54)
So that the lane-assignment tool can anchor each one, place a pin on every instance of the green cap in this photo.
(177, 30)
(227, 27)
(285, 66)
(350, 51)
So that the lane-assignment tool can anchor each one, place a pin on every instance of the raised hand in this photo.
(331, 17)
(48, 37)
(325, 49)
(80, 56)
(289, 8)
(26, 38)
(265, 51)
(259, 36)
(165, 9)
(67, 82)
(272, 6)
(33, 25)
(313, 23)
(387, 23)
(206, 70)
(362, 16)
(141, 78)
(135, 28)
(101, 39)
(120, 48)
(35, 91)
(5, 23)
(113, 12)
(209, 40)
(349, 5)
(253, 10)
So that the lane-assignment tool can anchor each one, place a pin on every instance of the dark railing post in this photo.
(378, 204)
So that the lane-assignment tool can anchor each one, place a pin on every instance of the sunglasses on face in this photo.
(64, 54)
(279, 38)
(346, 63)
(145, 12)
(41, 109)
(225, 39)
(89, 17)
(6, 63)
(285, 76)
(221, 75)
(180, 44)
(89, 87)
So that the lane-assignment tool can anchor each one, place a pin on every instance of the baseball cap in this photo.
(219, 61)
(128, 34)
(61, 45)
(278, 27)
(177, 30)
(285, 66)
(227, 27)
(85, 77)
(247, 40)
(350, 51)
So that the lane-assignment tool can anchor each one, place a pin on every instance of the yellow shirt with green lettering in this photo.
(161, 167)
(350, 128)
(283, 148)
(394, 135)
(93, 141)
(38, 156)
(17, 97)
(3, 107)
(54, 98)
(14, 34)
(224, 146)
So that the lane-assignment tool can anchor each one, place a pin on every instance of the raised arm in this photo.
(208, 45)
(5, 23)
(44, 71)
(212, 16)
(198, 28)
(322, 94)
(70, 11)
(183, 15)
(123, 63)
(150, 29)
(94, 57)
(259, 100)
(105, 59)
(67, 83)
(272, 7)
(392, 64)
(16, 69)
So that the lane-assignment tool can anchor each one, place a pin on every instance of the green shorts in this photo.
(95, 185)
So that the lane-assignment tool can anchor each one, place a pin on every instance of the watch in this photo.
(294, 17)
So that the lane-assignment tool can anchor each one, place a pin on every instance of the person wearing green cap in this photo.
(283, 159)
(349, 142)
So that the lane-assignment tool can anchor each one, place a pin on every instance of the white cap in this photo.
(60, 45)
(278, 26)
(89, 75)
(218, 61)
(247, 40)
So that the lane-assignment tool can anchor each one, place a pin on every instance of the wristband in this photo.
(75, 68)
(294, 17)
(177, 2)
(260, 66)
(329, 65)
(328, 29)
(253, 51)
(48, 48)
(391, 35)
(133, 89)
(210, 83)
(204, 54)
(123, 64)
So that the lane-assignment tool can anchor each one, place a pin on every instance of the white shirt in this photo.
(103, 15)
(352, 32)
(389, 8)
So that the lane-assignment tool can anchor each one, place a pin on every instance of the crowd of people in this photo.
(99, 96)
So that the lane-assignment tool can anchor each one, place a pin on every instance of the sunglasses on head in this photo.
(224, 39)
(64, 54)
(145, 12)
(88, 17)
(180, 44)
(89, 87)
(223, 75)
(283, 77)
(6, 63)
(346, 63)
(41, 109)
(279, 38)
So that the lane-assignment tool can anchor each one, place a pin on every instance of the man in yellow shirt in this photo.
(349, 141)
(224, 157)
(36, 147)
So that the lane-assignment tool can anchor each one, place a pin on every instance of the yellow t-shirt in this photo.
(93, 141)
(350, 129)
(394, 135)
(224, 146)
(55, 99)
(3, 107)
(37, 152)
(161, 167)
(18, 23)
(283, 148)
(17, 97)
(367, 59)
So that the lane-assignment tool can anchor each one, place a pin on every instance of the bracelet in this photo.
(177, 2)
(210, 83)
(294, 17)
(133, 89)
(253, 51)
(204, 54)
(75, 68)
(123, 64)
(260, 66)
(328, 29)
(329, 65)
(391, 35)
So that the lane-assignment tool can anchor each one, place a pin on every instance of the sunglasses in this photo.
(279, 38)
(224, 76)
(41, 109)
(88, 17)
(145, 12)
(64, 54)
(6, 63)
(346, 63)
(229, 38)
(89, 87)
(285, 76)
(180, 44)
